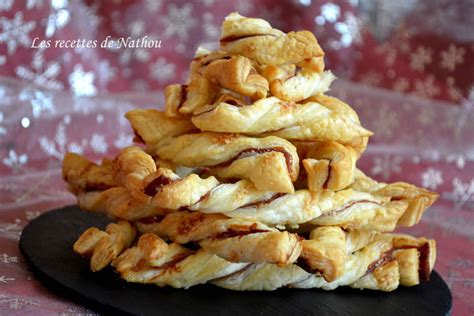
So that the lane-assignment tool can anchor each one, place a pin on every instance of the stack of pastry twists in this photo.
(248, 181)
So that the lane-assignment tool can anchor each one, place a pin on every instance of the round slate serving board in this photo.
(47, 243)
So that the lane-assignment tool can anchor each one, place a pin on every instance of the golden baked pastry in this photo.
(234, 239)
(117, 202)
(328, 165)
(216, 196)
(301, 85)
(306, 121)
(372, 267)
(104, 246)
(184, 99)
(257, 40)
(271, 163)
(237, 74)
(83, 175)
(152, 126)
(418, 199)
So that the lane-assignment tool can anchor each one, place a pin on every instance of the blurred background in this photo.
(406, 67)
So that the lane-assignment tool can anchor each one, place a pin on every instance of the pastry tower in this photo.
(248, 181)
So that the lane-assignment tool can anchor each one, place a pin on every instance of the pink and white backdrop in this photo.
(407, 68)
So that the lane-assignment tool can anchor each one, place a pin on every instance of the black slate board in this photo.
(47, 241)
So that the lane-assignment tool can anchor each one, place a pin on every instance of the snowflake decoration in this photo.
(432, 178)
(98, 144)
(3, 130)
(420, 58)
(453, 91)
(40, 102)
(162, 71)
(58, 147)
(11, 230)
(5, 258)
(349, 30)
(330, 12)
(426, 88)
(386, 165)
(401, 85)
(451, 57)
(15, 32)
(178, 21)
(81, 82)
(386, 122)
(30, 4)
(15, 161)
(16, 303)
(6, 5)
(58, 18)
(41, 73)
(462, 193)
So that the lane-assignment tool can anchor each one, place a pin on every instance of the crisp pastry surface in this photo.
(257, 40)
(104, 246)
(248, 180)
(271, 163)
(376, 266)
(83, 175)
(328, 165)
(152, 126)
(302, 85)
(306, 121)
(234, 239)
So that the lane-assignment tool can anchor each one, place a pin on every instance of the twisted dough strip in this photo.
(152, 126)
(234, 239)
(131, 166)
(418, 199)
(306, 121)
(347, 208)
(104, 246)
(84, 175)
(136, 170)
(302, 85)
(117, 202)
(271, 163)
(334, 123)
(154, 261)
(372, 259)
(372, 267)
(184, 99)
(257, 40)
(237, 74)
(328, 165)
(327, 249)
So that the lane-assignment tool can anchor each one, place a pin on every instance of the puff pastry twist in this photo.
(378, 265)
(104, 246)
(257, 40)
(325, 120)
